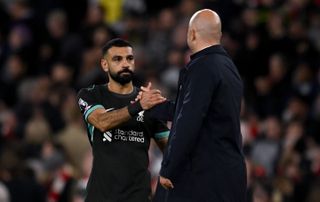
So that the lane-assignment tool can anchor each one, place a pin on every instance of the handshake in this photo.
(148, 97)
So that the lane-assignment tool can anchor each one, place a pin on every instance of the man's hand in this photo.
(143, 89)
(146, 89)
(166, 183)
(151, 98)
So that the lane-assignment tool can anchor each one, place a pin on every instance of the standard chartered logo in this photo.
(107, 136)
(128, 136)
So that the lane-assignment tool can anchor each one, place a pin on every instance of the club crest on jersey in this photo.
(140, 116)
(107, 136)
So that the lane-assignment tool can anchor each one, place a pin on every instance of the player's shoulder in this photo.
(90, 90)
(89, 97)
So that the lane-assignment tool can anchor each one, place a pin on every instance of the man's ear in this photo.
(104, 64)
(193, 35)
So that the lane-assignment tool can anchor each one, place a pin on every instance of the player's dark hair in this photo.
(117, 42)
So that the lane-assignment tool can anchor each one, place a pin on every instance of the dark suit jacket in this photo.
(204, 157)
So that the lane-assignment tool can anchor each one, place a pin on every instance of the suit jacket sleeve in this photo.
(200, 84)
(163, 111)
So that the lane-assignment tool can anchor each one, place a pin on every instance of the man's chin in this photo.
(124, 81)
(123, 78)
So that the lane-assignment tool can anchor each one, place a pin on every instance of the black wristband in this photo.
(135, 108)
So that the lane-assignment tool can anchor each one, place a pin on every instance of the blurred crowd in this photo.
(49, 49)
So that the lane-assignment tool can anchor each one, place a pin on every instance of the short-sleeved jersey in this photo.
(120, 164)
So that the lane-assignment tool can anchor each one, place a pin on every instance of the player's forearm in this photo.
(110, 120)
(104, 120)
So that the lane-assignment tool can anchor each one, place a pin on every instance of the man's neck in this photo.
(202, 46)
(120, 89)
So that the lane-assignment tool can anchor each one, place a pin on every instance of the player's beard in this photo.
(122, 78)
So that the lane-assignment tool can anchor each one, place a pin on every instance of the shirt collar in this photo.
(211, 49)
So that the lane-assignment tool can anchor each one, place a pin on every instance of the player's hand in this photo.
(146, 89)
(151, 98)
(166, 183)
(143, 89)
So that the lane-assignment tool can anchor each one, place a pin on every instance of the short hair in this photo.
(117, 42)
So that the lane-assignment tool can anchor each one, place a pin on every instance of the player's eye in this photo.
(117, 58)
(130, 58)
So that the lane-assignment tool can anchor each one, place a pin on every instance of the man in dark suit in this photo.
(203, 161)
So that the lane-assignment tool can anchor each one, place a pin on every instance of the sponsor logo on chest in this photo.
(124, 136)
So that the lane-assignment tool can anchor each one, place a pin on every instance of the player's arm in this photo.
(162, 143)
(106, 120)
(161, 133)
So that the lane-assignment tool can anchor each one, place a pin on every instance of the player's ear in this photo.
(104, 64)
